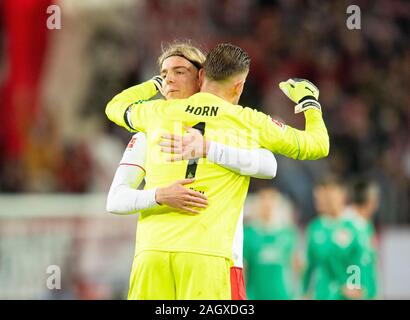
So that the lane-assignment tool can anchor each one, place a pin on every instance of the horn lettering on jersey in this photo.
(203, 111)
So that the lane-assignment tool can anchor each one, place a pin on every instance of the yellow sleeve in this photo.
(309, 144)
(143, 113)
(117, 107)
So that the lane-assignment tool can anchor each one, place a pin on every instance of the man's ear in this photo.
(201, 76)
(238, 87)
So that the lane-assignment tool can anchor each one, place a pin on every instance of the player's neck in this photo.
(217, 90)
(335, 214)
(361, 212)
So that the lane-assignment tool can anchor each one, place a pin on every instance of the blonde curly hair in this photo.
(182, 49)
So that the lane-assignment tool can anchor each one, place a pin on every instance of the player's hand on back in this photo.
(180, 197)
(191, 145)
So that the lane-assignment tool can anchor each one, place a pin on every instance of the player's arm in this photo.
(356, 264)
(310, 264)
(248, 253)
(309, 144)
(125, 198)
(257, 163)
(120, 108)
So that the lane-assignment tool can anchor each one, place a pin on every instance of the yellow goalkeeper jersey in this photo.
(211, 231)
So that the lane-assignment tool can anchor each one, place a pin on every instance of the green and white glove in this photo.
(303, 92)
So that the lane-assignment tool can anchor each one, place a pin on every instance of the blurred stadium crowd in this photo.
(54, 85)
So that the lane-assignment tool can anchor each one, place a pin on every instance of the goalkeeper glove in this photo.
(158, 82)
(303, 92)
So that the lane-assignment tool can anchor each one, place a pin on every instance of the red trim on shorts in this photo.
(132, 164)
(238, 291)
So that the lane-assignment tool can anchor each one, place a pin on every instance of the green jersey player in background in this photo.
(335, 248)
(270, 243)
(364, 202)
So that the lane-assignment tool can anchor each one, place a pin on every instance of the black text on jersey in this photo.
(202, 111)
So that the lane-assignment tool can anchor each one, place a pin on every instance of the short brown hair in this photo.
(330, 180)
(226, 60)
(361, 189)
(182, 49)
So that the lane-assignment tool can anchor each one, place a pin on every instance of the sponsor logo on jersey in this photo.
(278, 123)
(131, 143)
(343, 237)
